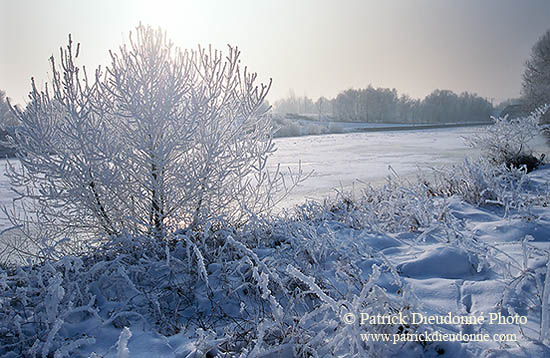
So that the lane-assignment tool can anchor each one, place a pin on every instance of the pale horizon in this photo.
(314, 48)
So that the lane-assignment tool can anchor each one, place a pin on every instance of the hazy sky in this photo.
(313, 47)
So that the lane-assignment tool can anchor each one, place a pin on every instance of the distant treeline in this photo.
(384, 105)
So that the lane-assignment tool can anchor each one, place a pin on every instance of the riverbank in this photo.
(289, 126)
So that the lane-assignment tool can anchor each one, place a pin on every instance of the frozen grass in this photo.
(472, 240)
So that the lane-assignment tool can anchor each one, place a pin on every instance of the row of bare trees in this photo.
(386, 105)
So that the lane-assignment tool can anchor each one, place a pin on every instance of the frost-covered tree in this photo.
(161, 139)
(536, 78)
(7, 119)
(4, 109)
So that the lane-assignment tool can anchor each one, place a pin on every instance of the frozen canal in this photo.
(347, 160)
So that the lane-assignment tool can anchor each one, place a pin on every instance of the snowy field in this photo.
(458, 268)
(352, 160)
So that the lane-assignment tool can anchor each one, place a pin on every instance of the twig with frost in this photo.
(122, 343)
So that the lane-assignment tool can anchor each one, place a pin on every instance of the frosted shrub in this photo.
(162, 138)
(506, 141)
(397, 206)
(480, 182)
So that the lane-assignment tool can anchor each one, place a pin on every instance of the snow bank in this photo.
(443, 262)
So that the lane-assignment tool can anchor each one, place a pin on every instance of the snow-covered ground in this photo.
(406, 270)
(344, 160)
(395, 274)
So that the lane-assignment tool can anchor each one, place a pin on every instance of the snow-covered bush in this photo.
(506, 141)
(479, 182)
(528, 285)
(398, 205)
(162, 138)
